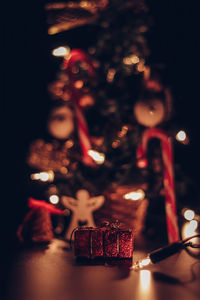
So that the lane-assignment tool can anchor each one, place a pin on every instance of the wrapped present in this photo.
(106, 242)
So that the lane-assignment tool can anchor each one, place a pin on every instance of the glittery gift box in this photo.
(103, 242)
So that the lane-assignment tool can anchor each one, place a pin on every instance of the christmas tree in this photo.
(124, 94)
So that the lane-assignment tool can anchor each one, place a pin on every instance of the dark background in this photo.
(29, 68)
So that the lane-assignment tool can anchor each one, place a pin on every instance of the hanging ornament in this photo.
(149, 113)
(60, 123)
(82, 209)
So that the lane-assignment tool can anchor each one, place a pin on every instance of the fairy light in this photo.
(145, 262)
(43, 176)
(78, 84)
(54, 199)
(142, 163)
(135, 195)
(162, 253)
(99, 158)
(130, 60)
(111, 75)
(181, 136)
(61, 51)
(189, 214)
(123, 131)
(193, 225)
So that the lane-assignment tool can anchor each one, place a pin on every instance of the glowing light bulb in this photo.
(142, 263)
(189, 228)
(99, 158)
(43, 176)
(54, 199)
(61, 51)
(135, 195)
(181, 136)
(111, 75)
(130, 60)
(193, 225)
(189, 214)
(79, 84)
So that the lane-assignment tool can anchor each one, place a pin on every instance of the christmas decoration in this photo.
(149, 113)
(106, 89)
(170, 205)
(75, 56)
(164, 252)
(37, 226)
(103, 242)
(125, 203)
(82, 209)
(60, 124)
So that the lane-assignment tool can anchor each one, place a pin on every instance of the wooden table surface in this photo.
(54, 274)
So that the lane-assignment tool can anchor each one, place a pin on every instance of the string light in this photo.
(130, 60)
(115, 144)
(164, 252)
(99, 158)
(194, 225)
(78, 84)
(142, 163)
(135, 195)
(182, 137)
(61, 51)
(43, 176)
(54, 199)
(111, 75)
(123, 131)
(189, 214)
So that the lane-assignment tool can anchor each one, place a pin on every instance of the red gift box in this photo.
(103, 242)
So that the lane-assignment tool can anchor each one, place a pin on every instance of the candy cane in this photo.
(170, 200)
(84, 138)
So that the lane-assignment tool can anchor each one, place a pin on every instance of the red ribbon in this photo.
(37, 204)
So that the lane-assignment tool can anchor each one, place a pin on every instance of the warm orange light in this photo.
(99, 158)
(123, 131)
(61, 51)
(78, 84)
(130, 60)
(140, 68)
(135, 195)
(111, 75)
(54, 199)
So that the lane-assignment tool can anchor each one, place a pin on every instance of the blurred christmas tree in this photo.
(128, 94)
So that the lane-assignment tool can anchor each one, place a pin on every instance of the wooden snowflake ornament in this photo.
(82, 208)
